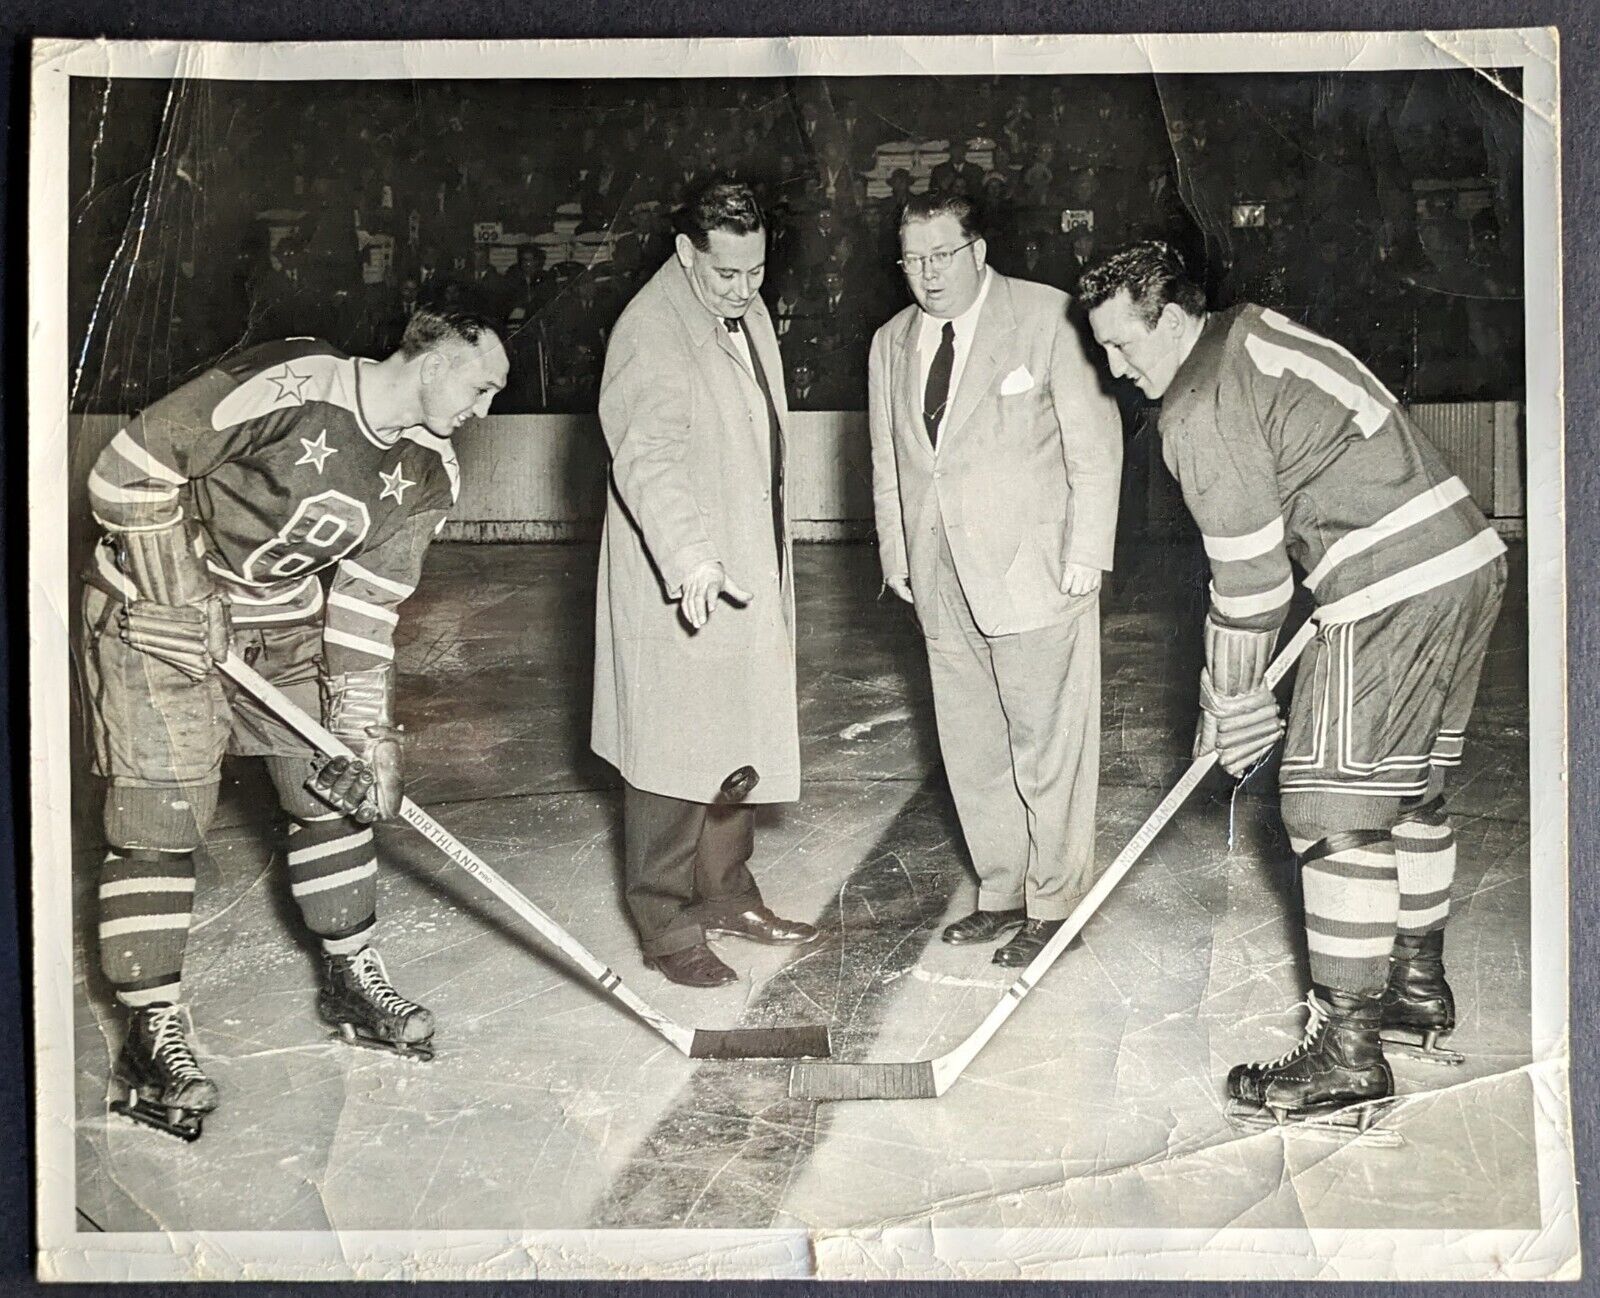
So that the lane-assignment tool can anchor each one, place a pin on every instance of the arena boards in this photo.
(1395, 192)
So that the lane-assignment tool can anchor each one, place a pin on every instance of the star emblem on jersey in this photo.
(291, 386)
(317, 452)
(395, 484)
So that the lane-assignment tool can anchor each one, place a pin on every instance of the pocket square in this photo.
(1019, 380)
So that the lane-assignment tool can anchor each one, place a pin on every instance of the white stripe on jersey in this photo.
(1238, 549)
(108, 490)
(333, 635)
(351, 568)
(315, 376)
(361, 608)
(1416, 510)
(141, 459)
(244, 617)
(1417, 579)
(1283, 324)
(282, 597)
(1271, 359)
(1250, 605)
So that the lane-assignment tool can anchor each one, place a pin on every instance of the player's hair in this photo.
(1153, 274)
(928, 207)
(718, 204)
(431, 325)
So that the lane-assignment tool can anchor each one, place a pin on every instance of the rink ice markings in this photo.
(734, 1126)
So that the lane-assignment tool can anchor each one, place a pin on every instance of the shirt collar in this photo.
(965, 322)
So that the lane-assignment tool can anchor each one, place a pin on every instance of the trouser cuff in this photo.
(680, 937)
(995, 899)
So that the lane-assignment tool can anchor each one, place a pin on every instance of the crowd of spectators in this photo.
(330, 210)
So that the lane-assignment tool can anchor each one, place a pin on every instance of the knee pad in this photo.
(161, 818)
(289, 776)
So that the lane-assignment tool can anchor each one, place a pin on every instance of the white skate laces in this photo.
(169, 1026)
(1316, 1019)
(367, 967)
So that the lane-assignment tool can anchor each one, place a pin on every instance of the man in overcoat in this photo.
(996, 458)
(694, 618)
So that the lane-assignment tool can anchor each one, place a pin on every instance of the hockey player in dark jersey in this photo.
(279, 505)
(1290, 452)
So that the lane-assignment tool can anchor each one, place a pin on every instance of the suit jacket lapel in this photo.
(908, 382)
(996, 322)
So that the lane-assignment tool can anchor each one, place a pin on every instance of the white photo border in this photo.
(1549, 1251)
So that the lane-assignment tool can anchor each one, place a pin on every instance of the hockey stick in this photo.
(925, 1079)
(698, 1043)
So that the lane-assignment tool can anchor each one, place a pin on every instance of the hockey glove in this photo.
(191, 637)
(359, 708)
(366, 788)
(176, 614)
(1247, 726)
(1232, 697)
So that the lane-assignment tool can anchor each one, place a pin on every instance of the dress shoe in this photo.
(759, 924)
(984, 926)
(694, 966)
(1035, 934)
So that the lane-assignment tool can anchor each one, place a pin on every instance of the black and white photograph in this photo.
(840, 658)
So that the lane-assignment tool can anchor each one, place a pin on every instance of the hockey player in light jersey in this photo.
(279, 504)
(1288, 449)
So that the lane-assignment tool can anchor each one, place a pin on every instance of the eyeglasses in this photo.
(914, 264)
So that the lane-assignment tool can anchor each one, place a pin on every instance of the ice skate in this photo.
(165, 1087)
(1418, 1006)
(357, 998)
(1335, 1083)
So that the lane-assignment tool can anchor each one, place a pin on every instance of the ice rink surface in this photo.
(1098, 1104)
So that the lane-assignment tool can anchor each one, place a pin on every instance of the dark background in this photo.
(227, 213)
(310, 20)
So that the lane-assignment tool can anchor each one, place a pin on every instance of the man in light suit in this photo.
(694, 619)
(996, 456)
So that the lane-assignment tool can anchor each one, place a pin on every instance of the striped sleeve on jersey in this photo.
(137, 480)
(132, 485)
(1349, 390)
(1251, 581)
(366, 593)
(1230, 484)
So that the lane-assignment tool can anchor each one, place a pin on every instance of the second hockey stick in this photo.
(926, 1079)
(698, 1043)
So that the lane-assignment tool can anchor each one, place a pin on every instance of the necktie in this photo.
(774, 431)
(937, 394)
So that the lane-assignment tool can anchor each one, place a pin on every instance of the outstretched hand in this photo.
(704, 585)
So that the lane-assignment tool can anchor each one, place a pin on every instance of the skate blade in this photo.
(420, 1051)
(1350, 1124)
(187, 1127)
(1420, 1045)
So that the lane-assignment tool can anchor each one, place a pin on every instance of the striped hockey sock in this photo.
(1425, 858)
(146, 898)
(333, 871)
(1352, 899)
